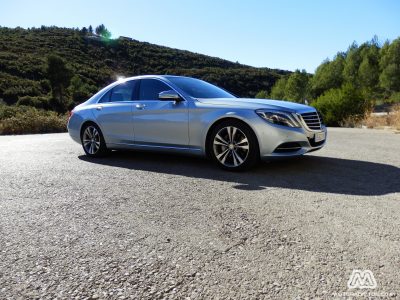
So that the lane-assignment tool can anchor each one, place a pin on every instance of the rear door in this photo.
(114, 113)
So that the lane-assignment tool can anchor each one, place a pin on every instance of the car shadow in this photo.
(308, 173)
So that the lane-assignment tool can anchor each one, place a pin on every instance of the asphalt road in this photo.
(140, 225)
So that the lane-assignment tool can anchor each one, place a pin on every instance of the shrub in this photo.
(394, 118)
(24, 120)
(262, 95)
(337, 105)
(391, 119)
(8, 111)
(38, 102)
(394, 98)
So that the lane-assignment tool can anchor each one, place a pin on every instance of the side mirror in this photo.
(169, 95)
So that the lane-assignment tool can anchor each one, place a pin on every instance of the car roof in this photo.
(154, 76)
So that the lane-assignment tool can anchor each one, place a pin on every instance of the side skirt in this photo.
(156, 147)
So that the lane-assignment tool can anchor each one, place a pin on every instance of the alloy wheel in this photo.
(91, 140)
(231, 146)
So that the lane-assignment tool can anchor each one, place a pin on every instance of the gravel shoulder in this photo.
(159, 226)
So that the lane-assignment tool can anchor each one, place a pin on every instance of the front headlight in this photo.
(278, 117)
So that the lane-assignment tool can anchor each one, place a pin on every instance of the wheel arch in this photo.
(224, 119)
(86, 123)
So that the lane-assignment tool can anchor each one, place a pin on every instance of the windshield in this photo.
(198, 88)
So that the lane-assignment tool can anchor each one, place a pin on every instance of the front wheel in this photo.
(233, 146)
(93, 141)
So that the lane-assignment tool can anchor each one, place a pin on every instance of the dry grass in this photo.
(391, 119)
(25, 120)
(352, 122)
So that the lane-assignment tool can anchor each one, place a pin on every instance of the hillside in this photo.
(96, 62)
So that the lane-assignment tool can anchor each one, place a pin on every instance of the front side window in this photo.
(150, 88)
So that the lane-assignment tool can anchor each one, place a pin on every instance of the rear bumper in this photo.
(74, 129)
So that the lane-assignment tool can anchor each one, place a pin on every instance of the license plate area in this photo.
(319, 136)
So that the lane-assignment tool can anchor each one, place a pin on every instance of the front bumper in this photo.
(281, 141)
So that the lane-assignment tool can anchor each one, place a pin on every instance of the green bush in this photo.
(394, 98)
(262, 95)
(8, 111)
(38, 102)
(337, 105)
(25, 120)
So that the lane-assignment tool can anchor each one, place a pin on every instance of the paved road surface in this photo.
(138, 225)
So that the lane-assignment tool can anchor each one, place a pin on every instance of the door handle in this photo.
(140, 106)
(99, 107)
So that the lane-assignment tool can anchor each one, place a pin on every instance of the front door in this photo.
(159, 122)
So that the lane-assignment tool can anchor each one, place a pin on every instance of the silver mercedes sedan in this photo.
(187, 115)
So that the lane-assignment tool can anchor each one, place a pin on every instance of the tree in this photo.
(328, 75)
(390, 65)
(102, 31)
(352, 64)
(262, 94)
(278, 90)
(297, 86)
(362, 66)
(84, 31)
(90, 29)
(293, 87)
(59, 76)
(99, 29)
(368, 71)
(79, 90)
(106, 34)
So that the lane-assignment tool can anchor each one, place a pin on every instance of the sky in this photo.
(283, 34)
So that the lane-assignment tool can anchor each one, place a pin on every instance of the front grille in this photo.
(312, 120)
(320, 117)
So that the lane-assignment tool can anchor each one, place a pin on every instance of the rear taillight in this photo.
(70, 113)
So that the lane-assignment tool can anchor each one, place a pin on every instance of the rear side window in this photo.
(150, 88)
(122, 92)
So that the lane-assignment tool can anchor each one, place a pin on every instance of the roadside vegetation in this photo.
(389, 119)
(349, 86)
(26, 119)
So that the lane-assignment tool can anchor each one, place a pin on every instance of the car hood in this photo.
(257, 104)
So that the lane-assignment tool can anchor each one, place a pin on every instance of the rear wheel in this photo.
(93, 141)
(233, 145)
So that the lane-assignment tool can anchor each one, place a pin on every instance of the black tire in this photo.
(92, 141)
(227, 145)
